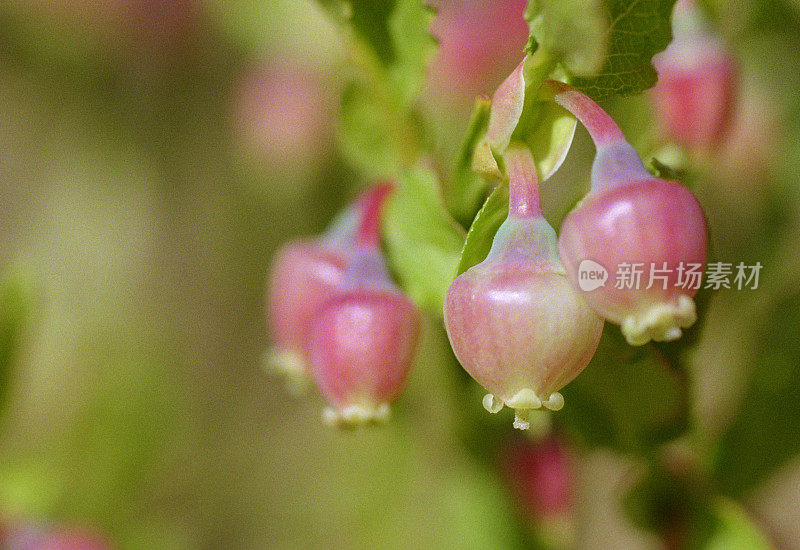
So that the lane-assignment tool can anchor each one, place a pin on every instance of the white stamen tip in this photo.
(660, 322)
(555, 402)
(355, 414)
(290, 365)
(492, 404)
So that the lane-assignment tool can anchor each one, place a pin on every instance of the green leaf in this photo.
(522, 113)
(766, 431)
(365, 133)
(413, 45)
(734, 530)
(547, 129)
(663, 500)
(574, 31)
(422, 240)
(481, 233)
(15, 297)
(628, 32)
(628, 398)
(390, 37)
(468, 190)
(389, 44)
(368, 20)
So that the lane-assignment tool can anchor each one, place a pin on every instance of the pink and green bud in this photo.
(478, 43)
(515, 322)
(510, 118)
(305, 274)
(362, 341)
(696, 82)
(283, 115)
(632, 222)
(541, 477)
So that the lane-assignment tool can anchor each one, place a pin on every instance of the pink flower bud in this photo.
(479, 43)
(305, 274)
(362, 348)
(696, 81)
(165, 24)
(38, 538)
(515, 321)
(283, 114)
(541, 477)
(363, 340)
(71, 540)
(631, 222)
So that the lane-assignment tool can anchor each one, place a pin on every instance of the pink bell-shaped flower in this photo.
(305, 274)
(636, 245)
(515, 322)
(541, 476)
(363, 340)
(696, 82)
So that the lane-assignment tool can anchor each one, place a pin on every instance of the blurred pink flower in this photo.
(32, 537)
(159, 22)
(541, 477)
(282, 112)
(481, 41)
(72, 539)
(697, 80)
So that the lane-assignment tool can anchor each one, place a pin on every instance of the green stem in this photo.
(538, 68)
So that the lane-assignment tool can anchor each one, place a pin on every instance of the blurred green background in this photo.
(149, 169)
